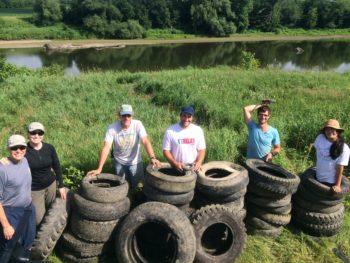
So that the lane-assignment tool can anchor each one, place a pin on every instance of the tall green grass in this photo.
(76, 111)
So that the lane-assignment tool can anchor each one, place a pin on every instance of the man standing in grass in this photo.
(263, 139)
(183, 142)
(125, 136)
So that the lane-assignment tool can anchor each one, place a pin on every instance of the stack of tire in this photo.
(155, 232)
(51, 229)
(220, 234)
(224, 183)
(316, 209)
(166, 184)
(102, 202)
(269, 196)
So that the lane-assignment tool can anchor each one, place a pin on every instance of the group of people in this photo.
(28, 175)
(27, 189)
(183, 145)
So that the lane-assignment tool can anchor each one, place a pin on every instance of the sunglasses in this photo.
(15, 148)
(39, 132)
(126, 116)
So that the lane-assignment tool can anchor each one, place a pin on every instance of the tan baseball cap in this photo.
(331, 123)
(126, 109)
(16, 140)
(36, 126)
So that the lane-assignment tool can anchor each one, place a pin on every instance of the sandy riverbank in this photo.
(41, 43)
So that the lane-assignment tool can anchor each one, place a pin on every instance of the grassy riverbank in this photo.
(76, 111)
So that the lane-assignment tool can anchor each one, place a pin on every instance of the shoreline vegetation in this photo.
(35, 43)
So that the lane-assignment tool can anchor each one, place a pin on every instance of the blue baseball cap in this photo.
(187, 109)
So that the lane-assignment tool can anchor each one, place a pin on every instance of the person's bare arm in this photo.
(339, 169)
(149, 149)
(8, 230)
(247, 112)
(103, 157)
(199, 160)
(178, 166)
(276, 150)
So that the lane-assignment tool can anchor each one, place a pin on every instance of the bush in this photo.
(8, 70)
(129, 30)
(248, 61)
(72, 178)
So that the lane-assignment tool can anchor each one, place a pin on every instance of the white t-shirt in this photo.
(184, 144)
(325, 165)
(126, 143)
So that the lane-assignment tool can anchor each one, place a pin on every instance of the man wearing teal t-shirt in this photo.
(263, 139)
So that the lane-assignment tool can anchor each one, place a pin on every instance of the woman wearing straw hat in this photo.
(332, 155)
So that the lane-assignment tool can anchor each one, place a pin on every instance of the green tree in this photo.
(266, 15)
(213, 17)
(47, 12)
(292, 12)
(242, 8)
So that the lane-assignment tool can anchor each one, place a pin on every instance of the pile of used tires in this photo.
(166, 184)
(269, 196)
(102, 202)
(222, 183)
(316, 209)
(219, 232)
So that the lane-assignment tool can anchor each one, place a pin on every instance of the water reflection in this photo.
(317, 55)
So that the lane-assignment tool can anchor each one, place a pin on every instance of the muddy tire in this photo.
(167, 179)
(225, 198)
(272, 177)
(311, 197)
(175, 199)
(70, 257)
(221, 178)
(318, 218)
(257, 223)
(314, 207)
(265, 232)
(265, 193)
(269, 202)
(318, 229)
(173, 237)
(220, 234)
(96, 212)
(82, 248)
(310, 182)
(51, 228)
(92, 231)
(104, 188)
(275, 219)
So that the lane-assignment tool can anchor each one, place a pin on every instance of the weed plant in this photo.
(76, 111)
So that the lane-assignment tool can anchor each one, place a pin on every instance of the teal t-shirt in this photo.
(260, 143)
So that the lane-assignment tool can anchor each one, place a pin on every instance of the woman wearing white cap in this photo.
(332, 155)
(43, 160)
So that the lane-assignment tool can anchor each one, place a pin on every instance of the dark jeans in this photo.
(23, 221)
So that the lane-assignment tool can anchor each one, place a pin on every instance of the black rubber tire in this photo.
(272, 177)
(314, 207)
(154, 194)
(235, 205)
(225, 248)
(318, 218)
(282, 210)
(180, 237)
(318, 229)
(257, 223)
(310, 196)
(310, 182)
(265, 193)
(268, 202)
(82, 248)
(233, 179)
(176, 183)
(104, 188)
(51, 228)
(264, 232)
(70, 257)
(92, 231)
(224, 198)
(96, 212)
(275, 219)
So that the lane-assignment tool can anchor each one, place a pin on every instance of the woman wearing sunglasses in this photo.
(332, 155)
(45, 168)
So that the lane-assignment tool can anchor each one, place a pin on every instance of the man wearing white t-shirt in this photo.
(183, 142)
(125, 136)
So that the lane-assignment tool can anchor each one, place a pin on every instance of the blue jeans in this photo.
(27, 227)
(132, 173)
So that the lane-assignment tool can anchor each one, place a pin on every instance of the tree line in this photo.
(131, 18)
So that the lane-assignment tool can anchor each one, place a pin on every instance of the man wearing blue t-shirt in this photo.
(263, 139)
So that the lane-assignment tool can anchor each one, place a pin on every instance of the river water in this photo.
(287, 55)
